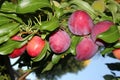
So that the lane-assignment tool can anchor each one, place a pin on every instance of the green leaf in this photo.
(14, 31)
(58, 11)
(74, 42)
(84, 6)
(113, 9)
(105, 17)
(12, 17)
(110, 36)
(109, 77)
(56, 58)
(107, 50)
(42, 54)
(4, 38)
(7, 28)
(48, 67)
(26, 6)
(8, 7)
(99, 5)
(4, 20)
(117, 45)
(50, 25)
(10, 45)
(117, 18)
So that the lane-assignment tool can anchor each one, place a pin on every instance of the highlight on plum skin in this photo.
(99, 28)
(85, 49)
(35, 46)
(80, 23)
(59, 41)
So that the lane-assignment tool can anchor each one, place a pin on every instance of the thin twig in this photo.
(26, 74)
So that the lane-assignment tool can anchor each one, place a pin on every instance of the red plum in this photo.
(19, 51)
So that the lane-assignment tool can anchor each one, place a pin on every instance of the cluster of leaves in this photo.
(41, 17)
(113, 67)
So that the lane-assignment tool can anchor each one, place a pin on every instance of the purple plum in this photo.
(86, 49)
(80, 23)
(100, 27)
(59, 41)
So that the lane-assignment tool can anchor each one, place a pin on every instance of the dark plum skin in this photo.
(59, 41)
(86, 49)
(80, 23)
(100, 27)
(19, 51)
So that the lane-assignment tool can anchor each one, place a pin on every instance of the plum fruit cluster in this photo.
(80, 23)
(17, 52)
(33, 47)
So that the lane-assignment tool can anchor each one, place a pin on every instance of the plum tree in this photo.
(57, 34)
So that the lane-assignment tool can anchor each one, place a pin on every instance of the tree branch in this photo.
(26, 74)
(6, 62)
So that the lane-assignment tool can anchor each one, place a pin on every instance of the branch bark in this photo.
(25, 75)
(6, 62)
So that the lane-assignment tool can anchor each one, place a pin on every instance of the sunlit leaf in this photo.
(55, 58)
(50, 25)
(99, 5)
(117, 45)
(113, 9)
(74, 42)
(4, 20)
(84, 6)
(12, 17)
(8, 7)
(110, 36)
(48, 67)
(10, 45)
(7, 31)
(107, 50)
(26, 6)
(7, 28)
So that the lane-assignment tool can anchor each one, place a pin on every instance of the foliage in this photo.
(113, 67)
(28, 18)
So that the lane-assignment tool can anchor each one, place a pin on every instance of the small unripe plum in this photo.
(35, 46)
(19, 51)
(85, 49)
(116, 53)
(80, 23)
(59, 41)
(99, 28)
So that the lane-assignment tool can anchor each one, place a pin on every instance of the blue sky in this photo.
(94, 71)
